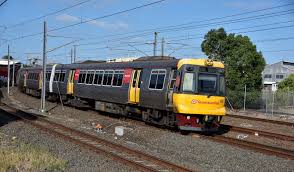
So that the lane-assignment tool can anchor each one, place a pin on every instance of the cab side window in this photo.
(157, 78)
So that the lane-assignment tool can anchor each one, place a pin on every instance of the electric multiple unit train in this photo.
(185, 93)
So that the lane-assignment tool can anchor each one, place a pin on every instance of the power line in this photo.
(257, 30)
(269, 24)
(181, 28)
(90, 20)
(108, 15)
(3, 2)
(195, 27)
(275, 14)
(206, 20)
(275, 39)
(48, 14)
(275, 51)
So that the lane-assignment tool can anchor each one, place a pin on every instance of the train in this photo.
(187, 94)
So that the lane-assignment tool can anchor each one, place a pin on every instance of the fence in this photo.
(267, 102)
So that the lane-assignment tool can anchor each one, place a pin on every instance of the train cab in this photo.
(199, 94)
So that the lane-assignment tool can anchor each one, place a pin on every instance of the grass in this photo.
(27, 158)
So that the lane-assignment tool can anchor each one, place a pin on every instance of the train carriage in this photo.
(187, 93)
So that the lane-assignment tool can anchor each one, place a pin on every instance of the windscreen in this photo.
(207, 83)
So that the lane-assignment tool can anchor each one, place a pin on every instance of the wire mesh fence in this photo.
(265, 101)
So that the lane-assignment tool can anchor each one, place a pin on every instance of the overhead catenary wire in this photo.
(48, 14)
(3, 2)
(200, 21)
(208, 23)
(53, 49)
(181, 29)
(90, 20)
(160, 29)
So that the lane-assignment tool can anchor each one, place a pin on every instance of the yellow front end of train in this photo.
(199, 94)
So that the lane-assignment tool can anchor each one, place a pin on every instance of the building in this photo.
(4, 71)
(275, 73)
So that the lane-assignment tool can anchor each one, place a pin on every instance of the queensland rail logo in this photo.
(203, 102)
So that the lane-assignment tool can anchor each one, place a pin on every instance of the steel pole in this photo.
(155, 44)
(43, 98)
(245, 98)
(8, 71)
(75, 53)
(162, 47)
(13, 73)
(71, 53)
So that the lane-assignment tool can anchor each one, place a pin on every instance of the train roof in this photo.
(143, 62)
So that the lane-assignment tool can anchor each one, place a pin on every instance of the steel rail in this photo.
(262, 120)
(270, 150)
(259, 132)
(115, 151)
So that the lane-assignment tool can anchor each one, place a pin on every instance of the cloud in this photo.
(67, 18)
(108, 25)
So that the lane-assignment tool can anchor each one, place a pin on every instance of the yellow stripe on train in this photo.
(198, 104)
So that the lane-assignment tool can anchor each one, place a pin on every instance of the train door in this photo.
(40, 80)
(134, 91)
(172, 81)
(25, 78)
(70, 82)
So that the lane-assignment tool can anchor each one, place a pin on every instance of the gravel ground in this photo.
(289, 145)
(78, 159)
(192, 152)
(258, 125)
(256, 114)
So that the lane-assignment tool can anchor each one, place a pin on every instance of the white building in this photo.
(275, 73)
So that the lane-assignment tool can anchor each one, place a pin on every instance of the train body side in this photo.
(160, 103)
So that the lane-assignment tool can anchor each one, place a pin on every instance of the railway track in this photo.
(262, 120)
(259, 132)
(280, 152)
(270, 150)
(133, 158)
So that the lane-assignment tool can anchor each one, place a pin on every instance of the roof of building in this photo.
(285, 64)
(5, 62)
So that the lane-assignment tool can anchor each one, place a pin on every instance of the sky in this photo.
(181, 23)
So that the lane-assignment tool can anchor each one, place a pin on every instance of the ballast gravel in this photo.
(79, 159)
(187, 150)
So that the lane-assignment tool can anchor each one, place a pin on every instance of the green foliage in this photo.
(242, 61)
(287, 84)
(213, 44)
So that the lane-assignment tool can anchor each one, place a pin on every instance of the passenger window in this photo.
(62, 77)
(82, 76)
(188, 82)
(98, 77)
(89, 77)
(117, 78)
(56, 76)
(157, 79)
(48, 75)
(107, 77)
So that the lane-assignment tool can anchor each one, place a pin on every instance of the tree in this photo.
(6, 57)
(243, 64)
(213, 44)
(287, 84)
